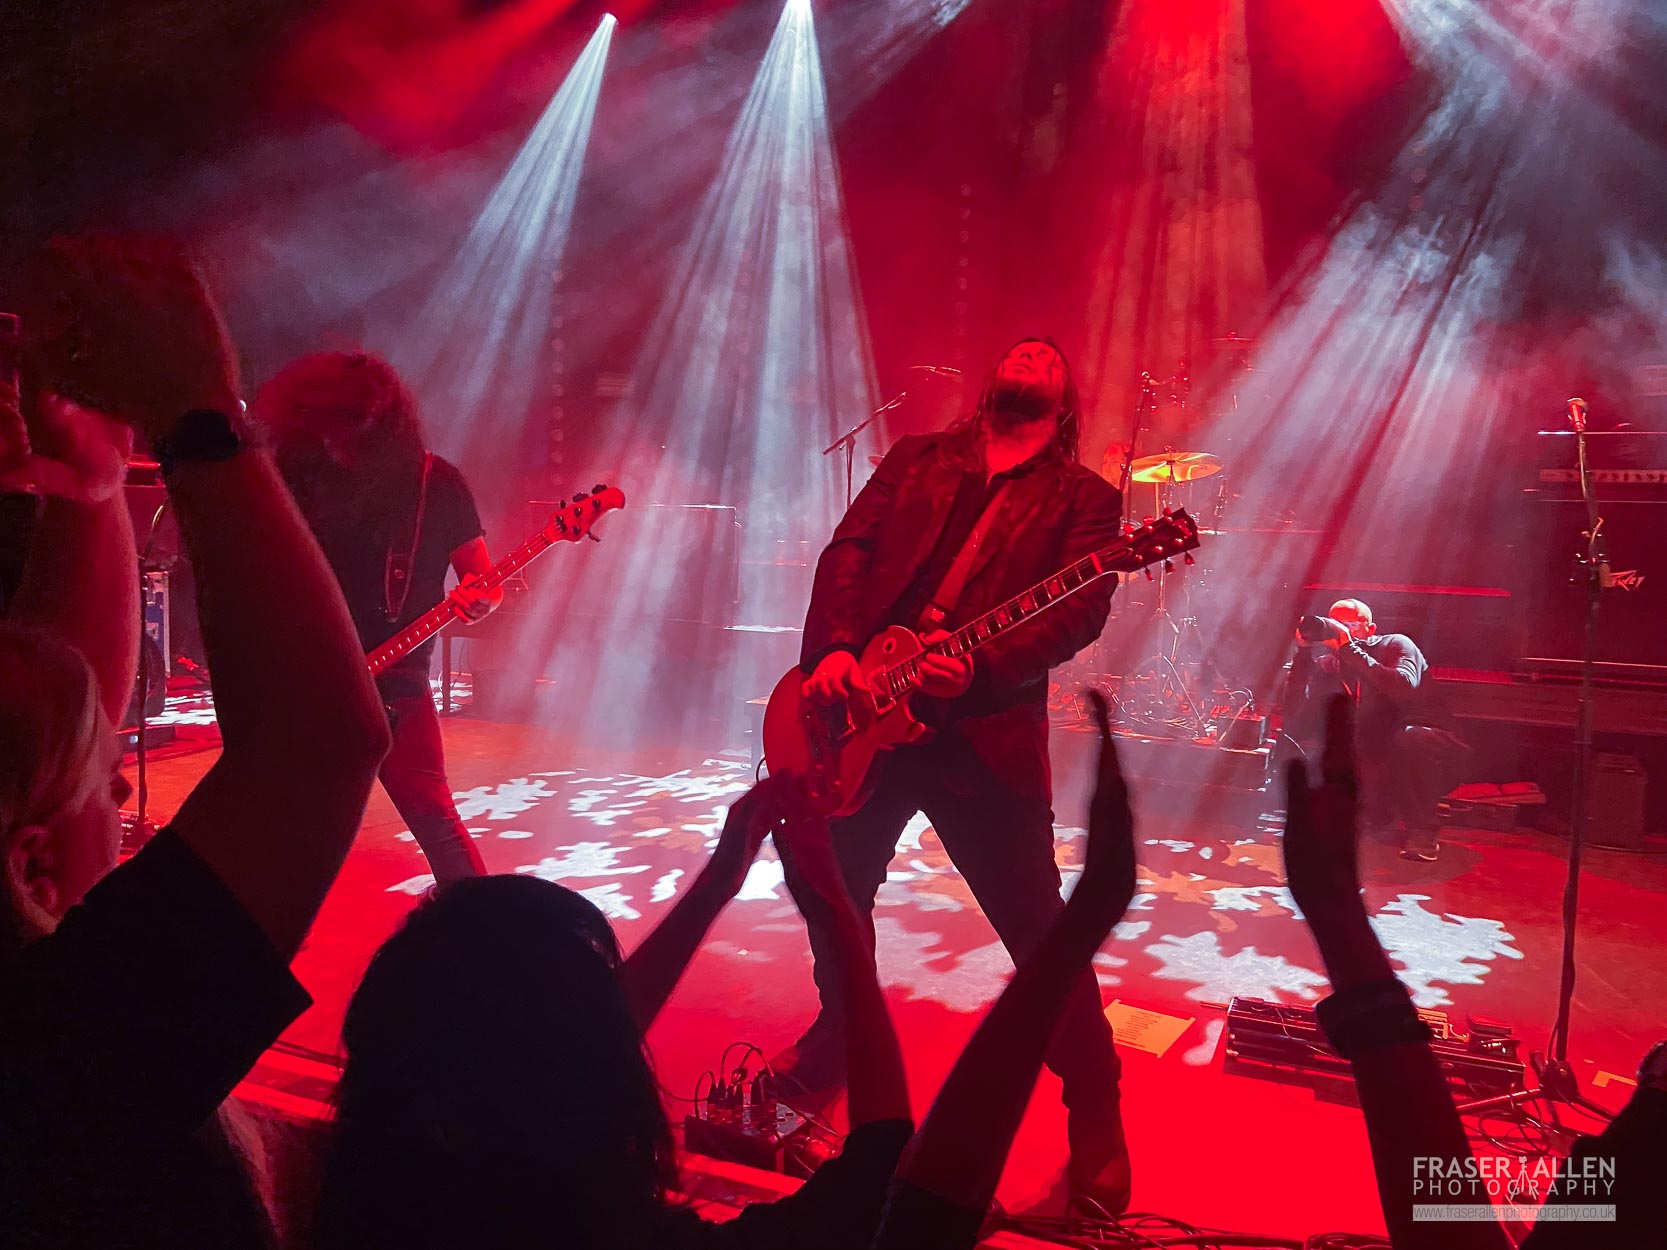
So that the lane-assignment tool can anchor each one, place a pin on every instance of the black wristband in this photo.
(203, 435)
(1365, 1017)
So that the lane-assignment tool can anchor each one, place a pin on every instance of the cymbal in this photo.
(1234, 343)
(1176, 466)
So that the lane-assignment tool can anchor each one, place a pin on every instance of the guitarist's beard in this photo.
(1015, 401)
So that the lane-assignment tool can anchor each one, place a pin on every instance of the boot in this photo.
(812, 1069)
(1099, 1169)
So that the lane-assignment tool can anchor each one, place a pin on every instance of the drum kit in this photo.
(1174, 691)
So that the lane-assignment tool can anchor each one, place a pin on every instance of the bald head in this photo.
(1355, 616)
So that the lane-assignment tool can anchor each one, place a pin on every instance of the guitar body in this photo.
(835, 745)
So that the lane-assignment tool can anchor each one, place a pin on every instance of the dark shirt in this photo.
(972, 496)
(1384, 673)
(838, 1208)
(357, 541)
(122, 1033)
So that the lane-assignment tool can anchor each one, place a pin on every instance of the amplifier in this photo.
(1630, 613)
(1623, 464)
(677, 562)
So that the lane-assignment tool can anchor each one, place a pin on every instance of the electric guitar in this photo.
(569, 523)
(834, 745)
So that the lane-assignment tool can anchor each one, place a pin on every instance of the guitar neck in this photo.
(1021, 607)
(1134, 551)
(441, 615)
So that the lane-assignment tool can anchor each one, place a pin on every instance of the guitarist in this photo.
(1004, 486)
(392, 519)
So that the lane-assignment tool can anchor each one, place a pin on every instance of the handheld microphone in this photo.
(1312, 629)
(1577, 414)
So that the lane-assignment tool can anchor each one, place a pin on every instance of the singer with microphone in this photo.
(1407, 760)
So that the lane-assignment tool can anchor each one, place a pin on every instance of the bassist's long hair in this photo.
(345, 431)
(1067, 437)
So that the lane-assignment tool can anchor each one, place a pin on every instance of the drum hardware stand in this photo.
(1555, 1076)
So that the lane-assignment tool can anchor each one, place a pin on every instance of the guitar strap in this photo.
(396, 577)
(948, 593)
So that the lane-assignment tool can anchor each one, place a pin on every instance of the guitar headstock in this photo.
(1158, 541)
(572, 521)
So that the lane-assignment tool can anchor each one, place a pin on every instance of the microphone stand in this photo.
(1147, 394)
(848, 440)
(1553, 1072)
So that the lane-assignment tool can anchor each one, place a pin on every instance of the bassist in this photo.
(392, 519)
(950, 525)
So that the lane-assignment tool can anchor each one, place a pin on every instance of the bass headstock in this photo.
(572, 520)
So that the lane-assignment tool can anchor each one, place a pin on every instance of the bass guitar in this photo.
(568, 524)
(834, 745)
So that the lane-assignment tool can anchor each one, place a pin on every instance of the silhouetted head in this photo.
(1032, 380)
(59, 783)
(496, 1090)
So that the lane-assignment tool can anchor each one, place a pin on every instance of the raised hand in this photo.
(749, 820)
(807, 859)
(1321, 836)
(1108, 876)
(76, 454)
(654, 968)
(1321, 848)
(128, 329)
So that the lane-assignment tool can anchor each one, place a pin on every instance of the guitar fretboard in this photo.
(438, 617)
(899, 679)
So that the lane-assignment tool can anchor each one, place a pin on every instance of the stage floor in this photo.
(1477, 933)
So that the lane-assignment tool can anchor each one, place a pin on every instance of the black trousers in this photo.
(1405, 777)
(1002, 842)
(414, 775)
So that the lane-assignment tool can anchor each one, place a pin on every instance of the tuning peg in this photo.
(1148, 573)
(1187, 557)
(1149, 520)
(598, 488)
(1167, 510)
(563, 502)
(1169, 566)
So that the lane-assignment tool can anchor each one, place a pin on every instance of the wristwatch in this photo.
(203, 435)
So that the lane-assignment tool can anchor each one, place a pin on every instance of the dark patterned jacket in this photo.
(1052, 513)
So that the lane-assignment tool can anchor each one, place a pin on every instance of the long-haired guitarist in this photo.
(393, 518)
(950, 525)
